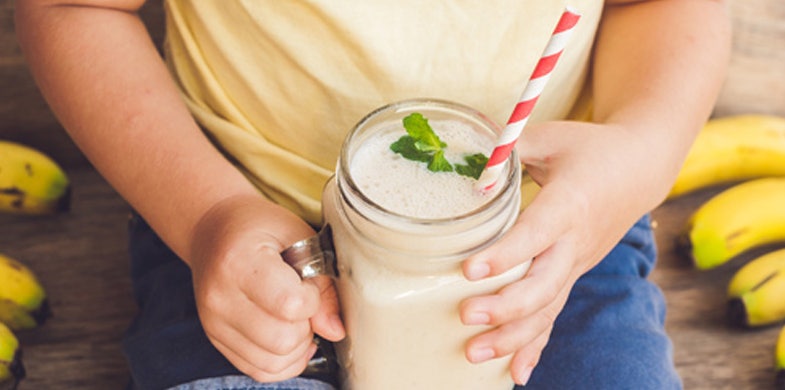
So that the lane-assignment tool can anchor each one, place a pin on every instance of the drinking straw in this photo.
(522, 111)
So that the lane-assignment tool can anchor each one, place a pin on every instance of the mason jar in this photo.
(399, 277)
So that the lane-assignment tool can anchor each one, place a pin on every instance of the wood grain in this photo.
(81, 259)
(756, 78)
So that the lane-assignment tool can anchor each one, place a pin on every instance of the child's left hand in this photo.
(596, 180)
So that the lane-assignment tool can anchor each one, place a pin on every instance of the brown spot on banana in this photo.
(735, 234)
(765, 280)
(11, 191)
(19, 196)
(15, 266)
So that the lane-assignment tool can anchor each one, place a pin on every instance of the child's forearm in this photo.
(658, 69)
(103, 78)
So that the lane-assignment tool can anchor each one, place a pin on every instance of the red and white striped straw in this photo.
(520, 115)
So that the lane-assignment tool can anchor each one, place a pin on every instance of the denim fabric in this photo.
(241, 382)
(611, 333)
(609, 336)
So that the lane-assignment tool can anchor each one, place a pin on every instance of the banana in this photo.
(756, 291)
(732, 149)
(31, 182)
(779, 354)
(744, 216)
(11, 369)
(23, 303)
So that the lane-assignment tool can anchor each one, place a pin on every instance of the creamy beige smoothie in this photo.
(400, 233)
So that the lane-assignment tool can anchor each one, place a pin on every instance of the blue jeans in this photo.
(610, 334)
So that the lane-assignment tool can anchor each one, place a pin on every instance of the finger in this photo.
(262, 366)
(260, 357)
(525, 359)
(549, 274)
(514, 335)
(538, 227)
(254, 326)
(327, 321)
(277, 289)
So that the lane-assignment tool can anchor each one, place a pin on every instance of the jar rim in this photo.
(509, 174)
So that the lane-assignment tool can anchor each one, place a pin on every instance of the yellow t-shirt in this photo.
(277, 84)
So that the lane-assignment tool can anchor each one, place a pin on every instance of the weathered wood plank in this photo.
(755, 82)
(81, 259)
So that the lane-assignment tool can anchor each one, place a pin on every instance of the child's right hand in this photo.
(254, 308)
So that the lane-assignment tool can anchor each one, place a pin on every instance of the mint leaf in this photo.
(419, 129)
(439, 163)
(475, 163)
(423, 145)
(405, 146)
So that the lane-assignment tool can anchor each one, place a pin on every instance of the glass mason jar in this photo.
(399, 277)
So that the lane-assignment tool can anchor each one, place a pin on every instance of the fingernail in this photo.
(524, 375)
(477, 271)
(479, 355)
(478, 318)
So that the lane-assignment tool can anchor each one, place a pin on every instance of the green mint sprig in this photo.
(475, 163)
(422, 144)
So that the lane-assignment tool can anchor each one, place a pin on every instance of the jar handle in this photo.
(313, 256)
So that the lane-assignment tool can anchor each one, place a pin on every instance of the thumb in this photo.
(538, 227)
(327, 320)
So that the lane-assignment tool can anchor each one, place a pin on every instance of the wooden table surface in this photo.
(81, 256)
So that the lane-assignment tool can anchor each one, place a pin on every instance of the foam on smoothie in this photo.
(407, 187)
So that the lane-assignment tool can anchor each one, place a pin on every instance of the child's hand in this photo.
(253, 306)
(597, 180)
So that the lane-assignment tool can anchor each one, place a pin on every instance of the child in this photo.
(224, 154)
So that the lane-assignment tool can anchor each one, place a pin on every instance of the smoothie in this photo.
(400, 234)
(409, 188)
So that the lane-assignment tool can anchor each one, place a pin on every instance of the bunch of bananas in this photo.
(31, 182)
(746, 153)
(23, 305)
(748, 150)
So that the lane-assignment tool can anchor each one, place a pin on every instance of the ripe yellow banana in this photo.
(732, 149)
(756, 292)
(11, 369)
(23, 303)
(30, 181)
(742, 217)
(779, 354)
